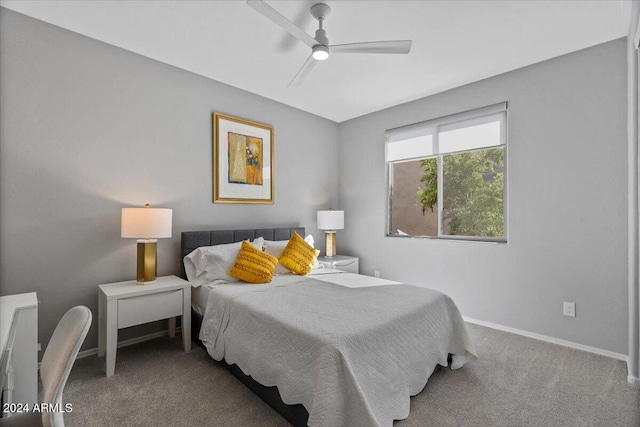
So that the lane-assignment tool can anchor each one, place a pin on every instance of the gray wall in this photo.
(87, 128)
(567, 201)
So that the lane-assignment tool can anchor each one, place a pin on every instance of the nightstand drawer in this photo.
(149, 308)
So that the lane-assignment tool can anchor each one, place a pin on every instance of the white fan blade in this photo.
(392, 46)
(304, 70)
(275, 16)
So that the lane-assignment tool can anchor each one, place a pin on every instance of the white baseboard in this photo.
(552, 340)
(634, 381)
(125, 343)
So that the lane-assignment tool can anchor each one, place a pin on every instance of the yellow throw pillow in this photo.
(253, 265)
(298, 256)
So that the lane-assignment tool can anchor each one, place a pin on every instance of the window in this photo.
(447, 177)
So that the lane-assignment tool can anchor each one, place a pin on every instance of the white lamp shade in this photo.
(146, 223)
(330, 220)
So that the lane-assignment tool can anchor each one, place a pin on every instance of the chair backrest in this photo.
(59, 357)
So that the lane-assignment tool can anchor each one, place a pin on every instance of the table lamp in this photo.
(330, 221)
(146, 224)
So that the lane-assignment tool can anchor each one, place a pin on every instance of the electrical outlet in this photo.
(376, 273)
(569, 309)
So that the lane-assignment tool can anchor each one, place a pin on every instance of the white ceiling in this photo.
(454, 42)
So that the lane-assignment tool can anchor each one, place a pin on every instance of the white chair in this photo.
(55, 367)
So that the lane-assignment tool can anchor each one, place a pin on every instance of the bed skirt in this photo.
(295, 414)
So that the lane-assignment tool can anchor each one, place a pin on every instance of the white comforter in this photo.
(351, 355)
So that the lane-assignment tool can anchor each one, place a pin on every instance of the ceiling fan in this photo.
(320, 47)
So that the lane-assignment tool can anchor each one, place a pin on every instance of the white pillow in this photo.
(276, 247)
(209, 263)
(309, 240)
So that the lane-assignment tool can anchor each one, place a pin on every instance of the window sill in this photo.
(470, 239)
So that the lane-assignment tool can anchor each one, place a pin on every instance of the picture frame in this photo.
(243, 161)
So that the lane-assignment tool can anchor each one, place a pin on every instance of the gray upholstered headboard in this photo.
(194, 239)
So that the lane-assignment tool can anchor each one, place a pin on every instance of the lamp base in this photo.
(147, 266)
(330, 244)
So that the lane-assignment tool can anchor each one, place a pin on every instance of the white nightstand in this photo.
(348, 264)
(127, 304)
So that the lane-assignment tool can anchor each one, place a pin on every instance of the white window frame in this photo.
(432, 127)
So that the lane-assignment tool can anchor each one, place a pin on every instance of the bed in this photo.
(330, 348)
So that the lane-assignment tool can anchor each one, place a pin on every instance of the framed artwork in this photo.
(242, 161)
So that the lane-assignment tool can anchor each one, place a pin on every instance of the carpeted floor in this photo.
(517, 381)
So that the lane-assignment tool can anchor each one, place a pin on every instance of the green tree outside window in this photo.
(473, 192)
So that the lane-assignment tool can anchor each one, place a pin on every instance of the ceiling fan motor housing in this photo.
(321, 37)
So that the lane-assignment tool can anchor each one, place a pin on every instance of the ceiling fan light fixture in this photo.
(320, 52)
